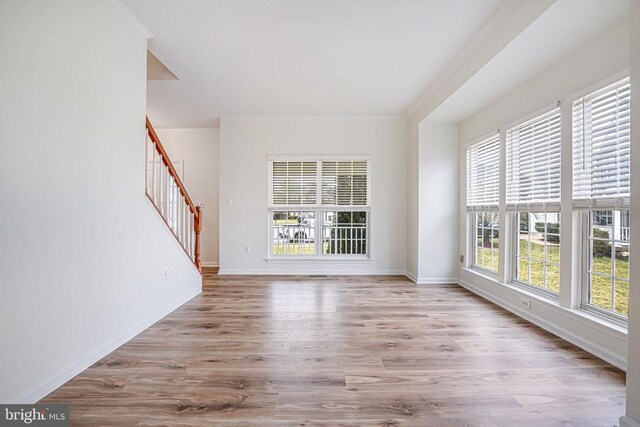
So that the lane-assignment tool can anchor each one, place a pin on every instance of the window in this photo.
(533, 195)
(486, 243)
(602, 218)
(319, 207)
(608, 272)
(538, 250)
(533, 162)
(601, 147)
(344, 232)
(483, 171)
(601, 190)
(293, 233)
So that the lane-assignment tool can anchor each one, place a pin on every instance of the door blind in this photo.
(601, 148)
(533, 163)
(483, 174)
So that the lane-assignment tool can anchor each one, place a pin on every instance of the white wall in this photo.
(633, 355)
(599, 59)
(413, 190)
(199, 151)
(603, 57)
(245, 144)
(437, 202)
(82, 252)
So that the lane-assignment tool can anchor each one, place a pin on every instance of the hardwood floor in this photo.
(343, 351)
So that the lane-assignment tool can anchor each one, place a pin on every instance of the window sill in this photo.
(541, 293)
(313, 258)
(487, 274)
(581, 315)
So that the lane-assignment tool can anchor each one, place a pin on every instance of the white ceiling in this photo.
(300, 57)
(565, 26)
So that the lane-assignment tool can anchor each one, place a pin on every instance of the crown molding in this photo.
(130, 18)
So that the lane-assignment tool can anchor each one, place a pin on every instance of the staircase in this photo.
(166, 191)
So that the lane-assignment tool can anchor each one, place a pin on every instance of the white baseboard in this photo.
(57, 379)
(210, 264)
(436, 281)
(587, 345)
(419, 281)
(308, 272)
(431, 280)
(628, 422)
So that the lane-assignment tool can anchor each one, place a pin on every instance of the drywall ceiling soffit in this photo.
(156, 70)
(513, 17)
(563, 28)
(301, 57)
(130, 18)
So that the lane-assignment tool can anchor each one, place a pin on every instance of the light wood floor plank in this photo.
(343, 351)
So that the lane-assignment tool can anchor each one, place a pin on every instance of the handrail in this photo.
(186, 229)
(165, 158)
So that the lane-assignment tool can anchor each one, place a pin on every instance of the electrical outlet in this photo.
(247, 249)
(165, 272)
(461, 259)
(525, 303)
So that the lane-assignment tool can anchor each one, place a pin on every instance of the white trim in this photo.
(618, 360)
(577, 314)
(318, 158)
(508, 21)
(549, 206)
(548, 109)
(210, 264)
(485, 136)
(312, 208)
(57, 379)
(312, 117)
(431, 280)
(483, 208)
(131, 19)
(306, 272)
(315, 258)
(436, 281)
(628, 422)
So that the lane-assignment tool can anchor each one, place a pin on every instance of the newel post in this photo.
(197, 224)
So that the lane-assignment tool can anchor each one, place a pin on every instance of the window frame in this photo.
(474, 241)
(586, 207)
(319, 238)
(319, 210)
(515, 245)
(575, 219)
(586, 269)
(474, 207)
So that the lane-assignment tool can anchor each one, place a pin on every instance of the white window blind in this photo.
(319, 183)
(293, 183)
(345, 183)
(533, 163)
(483, 174)
(601, 148)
